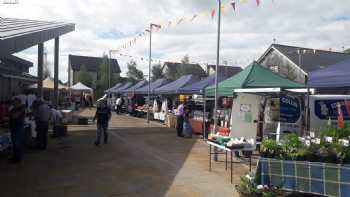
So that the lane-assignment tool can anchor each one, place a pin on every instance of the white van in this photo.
(323, 108)
(284, 114)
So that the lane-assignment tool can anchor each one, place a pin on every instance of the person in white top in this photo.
(118, 103)
(23, 99)
(30, 99)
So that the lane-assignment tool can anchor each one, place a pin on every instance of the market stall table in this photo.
(230, 150)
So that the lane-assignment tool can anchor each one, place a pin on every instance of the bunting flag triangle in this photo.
(243, 1)
(213, 13)
(233, 5)
(258, 3)
(194, 17)
(179, 21)
(222, 9)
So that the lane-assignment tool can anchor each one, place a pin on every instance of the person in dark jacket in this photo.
(17, 115)
(103, 115)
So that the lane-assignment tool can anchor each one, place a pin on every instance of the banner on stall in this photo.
(290, 109)
(325, 109)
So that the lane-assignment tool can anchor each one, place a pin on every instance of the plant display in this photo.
(248, 188)
(270, 148)
(332, 147)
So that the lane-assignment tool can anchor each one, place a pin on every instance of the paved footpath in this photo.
(140, 160)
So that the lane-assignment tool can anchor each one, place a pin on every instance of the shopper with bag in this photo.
(103, 115)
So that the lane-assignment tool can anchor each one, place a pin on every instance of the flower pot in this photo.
(244, 193)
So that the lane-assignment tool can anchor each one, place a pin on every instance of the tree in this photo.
(46, 71)
(84, 76)
(185, 59)
(157, 72)
(347, 51)
(133, 73)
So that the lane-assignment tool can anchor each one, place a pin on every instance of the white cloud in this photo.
(246, 33)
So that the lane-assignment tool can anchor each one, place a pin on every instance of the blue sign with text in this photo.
(325, 109)
(289, 109)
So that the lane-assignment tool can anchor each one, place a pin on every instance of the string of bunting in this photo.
(160, 61)
(169, 24)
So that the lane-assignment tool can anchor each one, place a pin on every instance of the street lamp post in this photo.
(217, 67)
(149, 68)
(109, 69)
(216, 75)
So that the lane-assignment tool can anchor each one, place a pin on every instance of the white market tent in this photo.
(80, 87)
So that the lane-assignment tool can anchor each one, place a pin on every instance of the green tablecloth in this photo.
(302, 176)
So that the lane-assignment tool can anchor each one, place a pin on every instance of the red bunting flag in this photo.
(340, 116)
(233, 5)
(213, 13)
(258, 2)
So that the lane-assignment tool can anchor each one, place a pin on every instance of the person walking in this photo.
(103, 115)
(187, 128)
(17, 115)
(180, 119)
(118, 105)
(42, 114)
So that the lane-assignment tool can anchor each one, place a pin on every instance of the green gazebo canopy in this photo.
(254, 76)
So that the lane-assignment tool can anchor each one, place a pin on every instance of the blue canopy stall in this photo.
(175, 86)
(118, 85)
(198, 87)
(132, 89)
(121, 88)
(333, 76)
(154, 85)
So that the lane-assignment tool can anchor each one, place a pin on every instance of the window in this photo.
(274, 69)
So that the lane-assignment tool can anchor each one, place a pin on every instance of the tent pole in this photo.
(204, 110)
(149, 73)
(307, 110)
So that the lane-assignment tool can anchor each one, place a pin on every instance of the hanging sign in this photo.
(289, 109)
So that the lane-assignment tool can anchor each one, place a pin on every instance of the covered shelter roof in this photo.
(48, 83)
(253, 76)
(19, 34)
(334, 76)
(80, 87)
(199, 87)
(175, 86)
(136, 86)
(154, 85)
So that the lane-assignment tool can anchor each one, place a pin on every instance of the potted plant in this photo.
(247, 187)
(270, 148)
